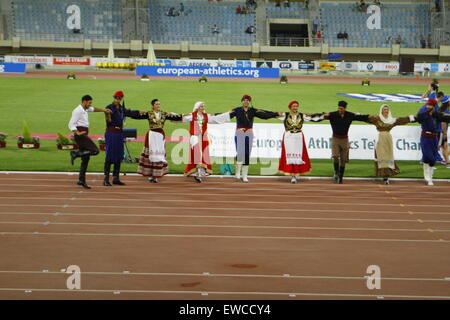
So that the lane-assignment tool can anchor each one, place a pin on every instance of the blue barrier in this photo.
(6, 67)
(208, 72)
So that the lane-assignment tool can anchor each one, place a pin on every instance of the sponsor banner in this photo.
(245, 64)
(306, 65)
(264, 64)
(397, 97)
(366, 66)
(285, 65)
(347, 66)
(208, 71)
(327, 66)
(85, 61)
(6, 67)
(362, 139)
(30, 60)
(203, 63)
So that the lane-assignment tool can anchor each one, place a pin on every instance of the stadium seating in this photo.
(46, 20)
(295, 11)
(196, 24)
(407, 20)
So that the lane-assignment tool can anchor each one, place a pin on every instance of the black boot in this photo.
(341, 174)
(76, 154)
(116, 173)
(83, 168)
(336, 171)
(106, 171)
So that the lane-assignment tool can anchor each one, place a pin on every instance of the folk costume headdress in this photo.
(389, 119)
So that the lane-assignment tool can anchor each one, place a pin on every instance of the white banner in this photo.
(362, 139)
(30, 60)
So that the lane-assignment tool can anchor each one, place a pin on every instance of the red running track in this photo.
(222, 239)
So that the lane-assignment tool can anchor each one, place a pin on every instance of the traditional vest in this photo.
(155, 123)
(291, 125)
(195, 126)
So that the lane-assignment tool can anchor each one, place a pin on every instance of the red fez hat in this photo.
(246, 96)
(118, 94)
(432, 102)
(292, 103)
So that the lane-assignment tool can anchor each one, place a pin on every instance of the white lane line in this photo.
(294, 195)
(225, 209)
(224, 217)
(321, 188)
(211, 226)
(220, 275)
(226, 293)
(213, 236)
(228, 201)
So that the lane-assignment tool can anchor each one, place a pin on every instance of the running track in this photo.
(222, 239)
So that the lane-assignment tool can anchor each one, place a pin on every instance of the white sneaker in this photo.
(294, 180)
(430, 183)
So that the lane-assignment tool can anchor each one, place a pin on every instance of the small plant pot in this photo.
(72, 146)
(3, 144)
(22, 145)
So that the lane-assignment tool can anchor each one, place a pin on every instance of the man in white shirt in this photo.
(79, 125)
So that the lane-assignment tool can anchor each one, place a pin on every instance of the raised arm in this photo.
(135, 114)
(404, 120)
(174, 116)
(264, 114)
(440, 116)
(314, 117)
(361, 117)
(219, 118)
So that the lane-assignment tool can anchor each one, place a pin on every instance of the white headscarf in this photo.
(197, 105)
(389, 119)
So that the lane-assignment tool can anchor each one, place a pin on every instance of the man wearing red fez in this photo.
(294, 154)
(340, 123)
(430, 120)
(114, 137)
(244, 133)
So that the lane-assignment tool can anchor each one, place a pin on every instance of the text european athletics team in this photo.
(294, 154)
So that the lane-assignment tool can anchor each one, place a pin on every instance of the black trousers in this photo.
(87, 149)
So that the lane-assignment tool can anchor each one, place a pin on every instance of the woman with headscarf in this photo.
(152, 162)
(294, 154)
(385, 165)
(199, 161)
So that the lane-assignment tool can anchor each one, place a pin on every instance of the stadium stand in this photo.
(407, 20)
(46, 20)
(195, 25)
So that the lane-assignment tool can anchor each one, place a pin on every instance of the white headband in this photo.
(197, 105)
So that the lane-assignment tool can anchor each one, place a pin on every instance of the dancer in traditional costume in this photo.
(429, 120)
(152, 162)
(294, 154)
(385, 165)
(199, 160)
(245, 115)
(340, 123)
(114, 137)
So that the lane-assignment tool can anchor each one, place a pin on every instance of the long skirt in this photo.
(114, 147)
(152, 162)
(199, 156)
(294, 155)
(385, 165)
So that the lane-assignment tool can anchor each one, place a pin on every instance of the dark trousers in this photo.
(87, 149)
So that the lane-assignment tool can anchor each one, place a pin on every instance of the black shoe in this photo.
(118, 182)
(197, 179)
(386, 181)
(73, 155)
(106, 183)
(83, 184)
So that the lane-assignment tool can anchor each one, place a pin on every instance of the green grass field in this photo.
(46, 104)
